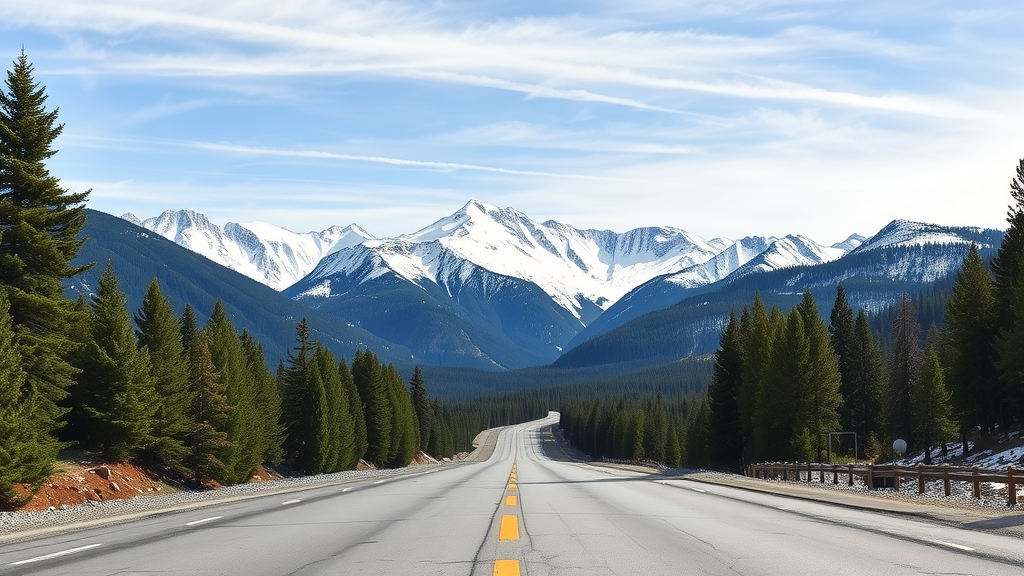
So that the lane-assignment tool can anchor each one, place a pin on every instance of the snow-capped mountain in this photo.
(269, 254)
(584, 271)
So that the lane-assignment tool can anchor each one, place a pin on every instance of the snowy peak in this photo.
(908, 233)
(850, 243)
(264, 252)
(793, 250)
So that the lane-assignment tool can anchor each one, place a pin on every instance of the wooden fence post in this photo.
(896, 478)
(945, 479)
(920, 479)
(835, 474)
(870, 478)
(851, 474)
(977, 483)
(1011, 486)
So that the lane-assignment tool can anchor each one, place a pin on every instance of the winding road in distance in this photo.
(522, 511)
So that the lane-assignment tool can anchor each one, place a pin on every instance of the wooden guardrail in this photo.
(890, 475)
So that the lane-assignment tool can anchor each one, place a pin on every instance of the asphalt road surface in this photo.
(525, 510)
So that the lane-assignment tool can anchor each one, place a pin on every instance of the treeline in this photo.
(157, 387)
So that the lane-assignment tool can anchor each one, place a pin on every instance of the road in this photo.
(523, 511)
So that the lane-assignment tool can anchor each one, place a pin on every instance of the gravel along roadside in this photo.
(16, 526)
(960, 509)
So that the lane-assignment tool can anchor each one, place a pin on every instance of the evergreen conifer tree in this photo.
(781, 399)
(246, 430)
(160, 333)
(373, 393)
(723, 394)
(932, 408)
(208, 443)
(868, 385)
(40, 223)
(756, 335)
(297, 397)
(23, 457)
(267, 399)
(904, 368)
(355, 409)
(1008, 272)
(968, 346)
(822, 395)
(841, 332)
(421, 403)
(119, 396)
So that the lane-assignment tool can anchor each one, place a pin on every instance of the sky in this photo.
(725, 118)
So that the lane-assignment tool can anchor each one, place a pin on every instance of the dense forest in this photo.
(154, 386)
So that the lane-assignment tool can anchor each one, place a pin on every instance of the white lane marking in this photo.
(783, 508)
(203, 521)
(347, 489)
(54, 555)
(951, 545)
(699, 490)
(380, 481)
(290, 502)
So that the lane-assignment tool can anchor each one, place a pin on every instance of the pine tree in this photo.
(40, 223)
(267, 399)
(932, 409)
(246, 430)
(120, 399)
(905, 364)
(189, 328)
(868, 384)
(355, 409)
(782, 396)
(822, 395)
(968, 346)
(208, 443)
(723, 393)
(841, 332)
(1008, 272)
(421, 403)
(160, 333)
(296, 395)
(404, 429)
(373, 393)
(23, 457)
(756, 335)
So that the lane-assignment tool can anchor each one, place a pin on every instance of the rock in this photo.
(102, 472)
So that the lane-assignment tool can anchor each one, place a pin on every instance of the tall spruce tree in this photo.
(723, 394)
(355, 409)
(373, 393)
(967, 347)
(23, 458)
(1008, 272)
(932, 408)
(757, 335)
(119, 397)
(868, 387)
(822, 392)
(421, 403)
(841, 331)
(904, 368)
(160, 333)
(40, 223)
(294, 382)
(208, 443)
(781, 398)
(246, 429)
(267, 399)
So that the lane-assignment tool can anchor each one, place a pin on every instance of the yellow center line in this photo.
(506, 568)
(509, 528)
(510, 500)
(513, 487)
